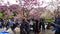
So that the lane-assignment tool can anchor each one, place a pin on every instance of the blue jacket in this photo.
(4, 21)
(11, 23)
(57, 21)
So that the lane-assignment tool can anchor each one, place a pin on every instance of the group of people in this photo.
(23, 24)
(26, 24)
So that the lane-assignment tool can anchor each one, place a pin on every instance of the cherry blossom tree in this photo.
(33, 7)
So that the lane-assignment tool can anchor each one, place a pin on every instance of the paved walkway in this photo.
(17, 31)
(48, 32)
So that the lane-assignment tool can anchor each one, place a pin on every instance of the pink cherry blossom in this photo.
(3, 8)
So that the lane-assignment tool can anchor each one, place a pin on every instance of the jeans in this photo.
(27, 28)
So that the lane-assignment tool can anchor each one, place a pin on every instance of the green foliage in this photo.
(49, 20)
(1, 15)
(11, 16)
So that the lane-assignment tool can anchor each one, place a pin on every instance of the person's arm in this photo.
(56, 25)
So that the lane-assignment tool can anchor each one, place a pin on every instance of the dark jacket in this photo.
(57, 22)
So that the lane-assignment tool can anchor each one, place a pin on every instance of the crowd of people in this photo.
(25, 25)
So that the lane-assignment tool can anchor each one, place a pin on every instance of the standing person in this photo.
(27, 28)
(11, 24)
(31, 23)
(20, 25)
(36, 27)
(1, 27)
(1, 20)
(42, 24)
(22, 28)
(7, 25)
(4, 23)
(57, 25)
